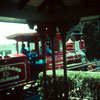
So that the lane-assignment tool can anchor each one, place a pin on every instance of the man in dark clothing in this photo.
(23, 50)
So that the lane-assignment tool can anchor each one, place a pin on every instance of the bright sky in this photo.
(7, 29)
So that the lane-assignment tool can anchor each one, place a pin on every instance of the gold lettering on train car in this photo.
(10, 68)
(9, 78)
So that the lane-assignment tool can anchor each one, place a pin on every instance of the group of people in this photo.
(28, 53)
(33, 53)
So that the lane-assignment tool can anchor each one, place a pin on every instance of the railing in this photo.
(83, 66)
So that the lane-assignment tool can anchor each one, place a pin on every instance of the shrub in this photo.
(81, 85)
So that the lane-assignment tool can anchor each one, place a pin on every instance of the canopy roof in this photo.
(40, 11)
(28, 37)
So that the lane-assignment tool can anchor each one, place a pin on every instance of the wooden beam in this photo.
(86, 3)
(23, 3)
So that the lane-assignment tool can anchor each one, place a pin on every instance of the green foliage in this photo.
(92, 38)
(80, 85)
(91, 34)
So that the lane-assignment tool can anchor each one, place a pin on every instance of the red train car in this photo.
(14, 70)
(17, 68)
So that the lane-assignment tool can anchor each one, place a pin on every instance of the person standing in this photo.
(47, 50)
(23, 50)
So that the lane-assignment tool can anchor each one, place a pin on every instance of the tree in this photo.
(91, 35)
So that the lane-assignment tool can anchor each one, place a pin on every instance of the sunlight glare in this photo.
(7, 29)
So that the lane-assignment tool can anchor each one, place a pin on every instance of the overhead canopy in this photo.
(41, 10)
(28, 37)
